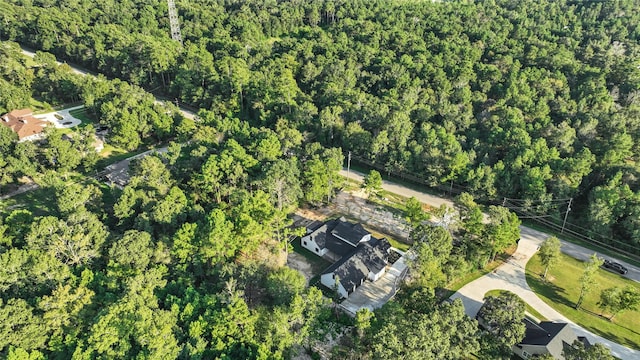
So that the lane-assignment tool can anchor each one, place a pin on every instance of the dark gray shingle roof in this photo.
(352, 233)
(353, 268)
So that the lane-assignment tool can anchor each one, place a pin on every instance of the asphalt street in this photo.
(571, 249)
(511, 275)
(186, 113)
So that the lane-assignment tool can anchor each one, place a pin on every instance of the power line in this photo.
(522, 207)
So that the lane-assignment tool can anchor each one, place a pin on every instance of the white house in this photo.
(358, 255)
(337, 236)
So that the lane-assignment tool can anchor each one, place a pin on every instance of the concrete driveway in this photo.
(373, 295)
(511, 276)
(68, 121)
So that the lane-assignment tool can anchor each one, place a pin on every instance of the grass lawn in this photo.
(81, 114)
(563, 289)
(39, 202)
(528, 308)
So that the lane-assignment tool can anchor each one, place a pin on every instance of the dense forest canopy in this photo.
(536, 101)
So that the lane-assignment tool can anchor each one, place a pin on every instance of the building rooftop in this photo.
(23, 123)
(368, 257)
(554, 336)
(349, 232)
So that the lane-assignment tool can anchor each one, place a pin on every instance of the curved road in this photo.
(78, 70)
(511, 275)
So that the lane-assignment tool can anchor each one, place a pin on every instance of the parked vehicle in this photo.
(612, 265)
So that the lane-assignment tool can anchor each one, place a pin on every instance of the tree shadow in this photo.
(549, 290)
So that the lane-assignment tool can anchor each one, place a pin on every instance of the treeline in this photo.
(535, 101)
(187, 260)
(128, 112)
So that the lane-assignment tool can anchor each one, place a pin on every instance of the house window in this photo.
(317, 250)
(525, 354)
(304, 243)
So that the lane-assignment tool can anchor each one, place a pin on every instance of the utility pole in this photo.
(565, 215)
(174, 22)
(349, 166)
(504, 201)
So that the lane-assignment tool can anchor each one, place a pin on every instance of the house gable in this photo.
(368, 261)
(23, 123)
(545, 338)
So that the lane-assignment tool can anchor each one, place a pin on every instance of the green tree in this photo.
(22, 354)
(282, 182)
(372, 183)
(132, 253)
(426, 266)
(617, 300)
(321, 172)
(413, 212)
(74, 197)
(363, 322)
(219, 241)
(579, 352)
(587, 280)
(75, 241)
(503, 229)
(64, 311)
(446, 333)
(20, 326)
(549, 253)
(284, 284)
(503, 317)
(29, 273)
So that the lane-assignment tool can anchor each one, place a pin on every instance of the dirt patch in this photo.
(300, 263)
(319, 214)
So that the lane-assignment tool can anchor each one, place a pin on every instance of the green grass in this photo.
(398, 245)
(81, 114)
(39, 202)
(588, 245)
(528, 307)
(563, 289)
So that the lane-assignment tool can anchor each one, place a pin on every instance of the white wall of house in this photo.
(329, 281)
(527, 351)
(309, 244)
(375, 276)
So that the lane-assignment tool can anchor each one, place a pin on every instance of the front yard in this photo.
(562, 290)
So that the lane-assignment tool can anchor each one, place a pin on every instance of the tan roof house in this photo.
(23, 123)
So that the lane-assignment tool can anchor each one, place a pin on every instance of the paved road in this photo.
(571, 249)
(511, 275)
(186, 113)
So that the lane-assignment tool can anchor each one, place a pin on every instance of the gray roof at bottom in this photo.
(353, 268)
